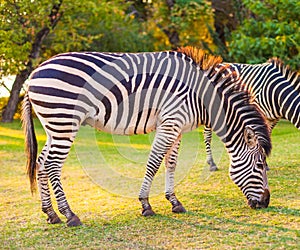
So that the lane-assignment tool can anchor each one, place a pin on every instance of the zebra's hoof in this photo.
(74, 221)
(178, 209)
(213, 168)
(54, 219)
(148, 212)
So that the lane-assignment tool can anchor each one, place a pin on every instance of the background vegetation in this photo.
(239, 30)
(272, 30)
(218, 216)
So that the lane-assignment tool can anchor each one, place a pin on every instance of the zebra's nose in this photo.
(264, 201)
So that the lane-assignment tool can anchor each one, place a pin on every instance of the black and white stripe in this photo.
(273, 87)
(135, 94)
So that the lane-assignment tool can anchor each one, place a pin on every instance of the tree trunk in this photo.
(172, 34)
(11, 107)
(225, 16)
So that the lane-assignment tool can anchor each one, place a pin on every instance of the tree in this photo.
(227, 16)
(224, 17)
(32, 31)
(271, 29)
(176, 22)
(188, 19)
(21, 43)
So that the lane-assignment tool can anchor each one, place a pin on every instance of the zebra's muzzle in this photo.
(263, 203)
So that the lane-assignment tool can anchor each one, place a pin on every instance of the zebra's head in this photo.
(239, 122)
(248, 167)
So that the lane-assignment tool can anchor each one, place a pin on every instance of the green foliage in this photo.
(20, 21)
(83, 25)
(269, 28)
(190, 19)
(186, 17)
(98, 26)
(272, 30)
(185, 13)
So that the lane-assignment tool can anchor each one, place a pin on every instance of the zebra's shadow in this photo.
(233, 224)
(284, 210)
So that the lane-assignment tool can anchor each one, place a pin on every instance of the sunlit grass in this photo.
(218, 216)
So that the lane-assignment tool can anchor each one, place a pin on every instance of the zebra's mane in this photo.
(286, 70)
(200, 57)
(231, 85)
(242, 101)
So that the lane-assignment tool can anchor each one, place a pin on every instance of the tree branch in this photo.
(54, 17)
(4, 85)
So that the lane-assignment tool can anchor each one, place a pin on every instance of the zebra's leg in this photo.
(209, 157)
(46, 199)
(43, 185)
(171, 162)
(58, 152)
(165, 137)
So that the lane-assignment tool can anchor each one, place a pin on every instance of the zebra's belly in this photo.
(141, 124)
(132, 128)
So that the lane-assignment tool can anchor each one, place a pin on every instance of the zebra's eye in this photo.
(260, 165)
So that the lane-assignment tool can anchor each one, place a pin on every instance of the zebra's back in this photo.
(117, 93)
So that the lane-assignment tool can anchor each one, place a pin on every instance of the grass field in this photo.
(101, 179)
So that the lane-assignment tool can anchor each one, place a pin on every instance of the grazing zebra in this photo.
(134, 94)
(273, 87)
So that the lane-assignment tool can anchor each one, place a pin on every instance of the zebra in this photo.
(136, 93)
(273, 86)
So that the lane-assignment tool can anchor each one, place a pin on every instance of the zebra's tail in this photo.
(30, 141)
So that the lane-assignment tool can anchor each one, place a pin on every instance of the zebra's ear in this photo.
(250, 137)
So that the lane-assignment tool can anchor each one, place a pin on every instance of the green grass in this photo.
(101, 178)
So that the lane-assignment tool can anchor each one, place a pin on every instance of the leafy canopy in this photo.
(83, 25)
(271, 30)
